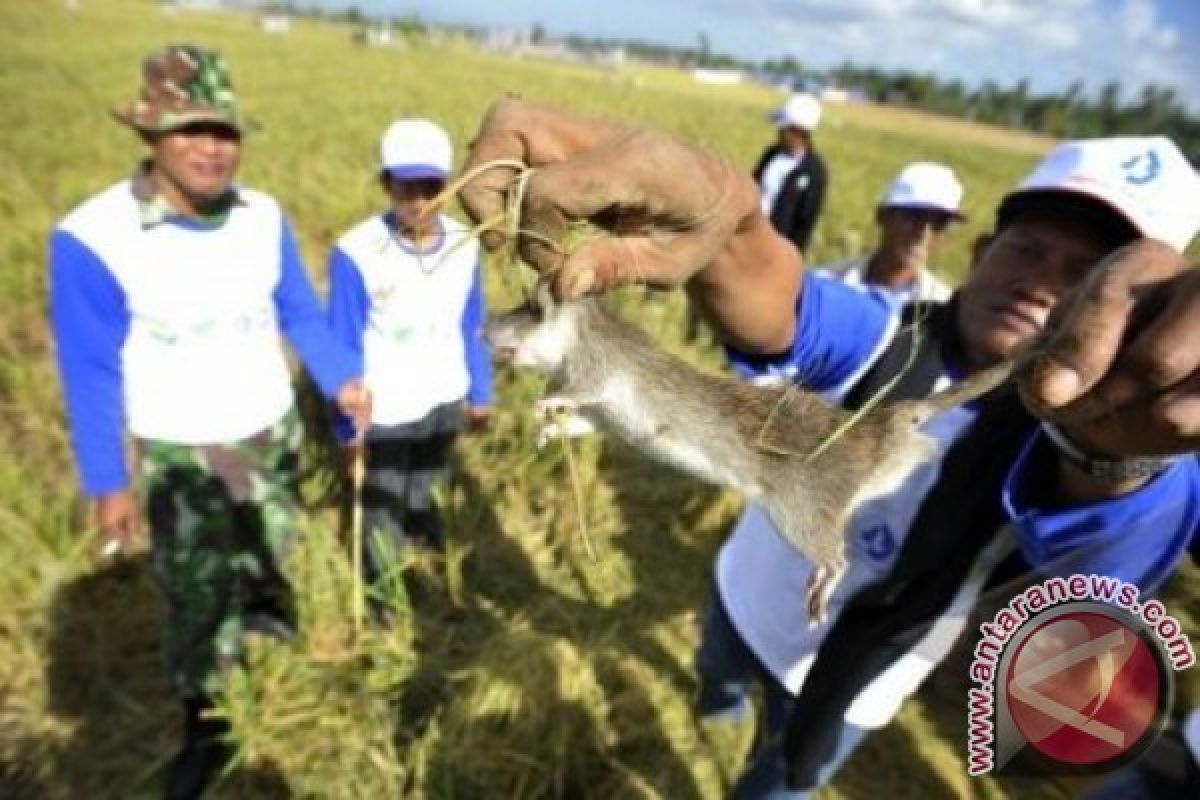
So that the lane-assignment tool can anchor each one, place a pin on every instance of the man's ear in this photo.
(978, 247)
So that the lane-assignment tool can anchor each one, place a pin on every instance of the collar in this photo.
(408, 245)
(153, 208)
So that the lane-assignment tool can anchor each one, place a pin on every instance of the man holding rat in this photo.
(169, 292)
(1090, 469)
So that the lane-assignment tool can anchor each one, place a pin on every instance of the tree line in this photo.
(1072, 113)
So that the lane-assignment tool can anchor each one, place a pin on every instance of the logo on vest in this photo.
(877, 542)
(1075, 675)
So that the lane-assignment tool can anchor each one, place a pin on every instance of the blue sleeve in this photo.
(348, 304)
(90, 320)
(838, 328)
(1139, 537)
(479, 358)
(330, 362)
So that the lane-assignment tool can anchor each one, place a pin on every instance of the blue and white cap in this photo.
(413, 149)
(1145, 179)
(925, 185)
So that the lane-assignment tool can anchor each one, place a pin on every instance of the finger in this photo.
(1156, 359)
(621, 261)
(533, 135)
(1082, 342)
(1165, 425)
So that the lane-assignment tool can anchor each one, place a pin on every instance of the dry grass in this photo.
(518, 668)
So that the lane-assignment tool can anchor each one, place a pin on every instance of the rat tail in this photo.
(973, 387)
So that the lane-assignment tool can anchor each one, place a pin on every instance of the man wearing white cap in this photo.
(1090, 468)
(406, 292)
(791, 175)
(913, 216)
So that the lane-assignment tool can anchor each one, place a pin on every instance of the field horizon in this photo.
(518, 667)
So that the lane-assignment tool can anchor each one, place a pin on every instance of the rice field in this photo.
(518, 667)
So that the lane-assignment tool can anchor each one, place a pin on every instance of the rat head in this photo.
(537, 334)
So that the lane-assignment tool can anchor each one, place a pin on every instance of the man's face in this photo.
(410, 199)
(909, 236)
(1018, 278)
(197, 161)
(793, 139)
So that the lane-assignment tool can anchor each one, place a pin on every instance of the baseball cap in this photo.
(183, 84)
(925, 185)
(800, 111)
(412, 149)
(1146, 180)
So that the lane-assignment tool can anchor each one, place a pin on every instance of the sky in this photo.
(1050, 42)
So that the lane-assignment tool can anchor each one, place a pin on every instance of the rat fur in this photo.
(755, 439)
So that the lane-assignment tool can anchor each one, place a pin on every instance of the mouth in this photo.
(1018, 320)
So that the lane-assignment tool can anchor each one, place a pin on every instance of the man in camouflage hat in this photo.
(168, 294)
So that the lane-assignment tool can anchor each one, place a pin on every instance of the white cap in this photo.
(800, 111)
(416, 148)
(1145, 179)
(925, 185)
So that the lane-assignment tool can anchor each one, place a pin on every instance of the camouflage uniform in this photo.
(221, 518)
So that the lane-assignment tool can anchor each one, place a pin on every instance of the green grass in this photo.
(518, 667)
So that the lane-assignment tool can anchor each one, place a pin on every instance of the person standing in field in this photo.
(791, 175)
(406, 292)
(914, 217)
(1086, 466)
(169, 292)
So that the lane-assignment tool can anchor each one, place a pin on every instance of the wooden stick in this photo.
(358, 471)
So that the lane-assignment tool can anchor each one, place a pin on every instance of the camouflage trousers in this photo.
(221, 518)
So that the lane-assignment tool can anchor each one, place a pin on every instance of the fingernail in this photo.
(583, 282)
(1059, 386)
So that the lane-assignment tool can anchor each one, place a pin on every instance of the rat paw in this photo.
(551, 406)
(821, 585)
(571, 427)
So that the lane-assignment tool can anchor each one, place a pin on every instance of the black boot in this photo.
(204, 753)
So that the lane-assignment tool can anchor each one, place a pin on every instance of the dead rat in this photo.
(758, 440)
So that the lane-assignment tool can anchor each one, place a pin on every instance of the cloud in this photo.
(1051, 43)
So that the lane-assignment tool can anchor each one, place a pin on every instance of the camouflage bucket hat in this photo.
(180, 85)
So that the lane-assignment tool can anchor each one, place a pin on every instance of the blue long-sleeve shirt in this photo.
(1138, 537)
(91, 319)
(380, 287)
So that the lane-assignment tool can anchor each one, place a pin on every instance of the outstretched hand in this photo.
(1118, 366)
(663, 210)
(608, 204)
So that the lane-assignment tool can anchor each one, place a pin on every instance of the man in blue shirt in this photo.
(169, 293)
(1120, 417)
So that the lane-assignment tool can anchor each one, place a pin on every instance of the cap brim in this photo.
(179, 120)
(1035, 196)
(415, 172)
(951, 212)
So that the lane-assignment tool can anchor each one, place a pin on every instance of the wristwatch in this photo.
(1107, 469)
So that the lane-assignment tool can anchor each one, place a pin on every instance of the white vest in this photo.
(413, 349)
(763, 582)
(203, 362)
